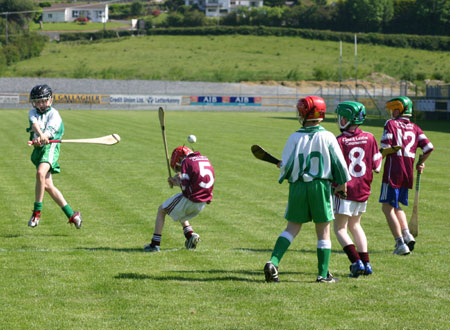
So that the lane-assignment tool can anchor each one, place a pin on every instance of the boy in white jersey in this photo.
(46, 124)
(398, 175)
(311, 160)
(362, 155)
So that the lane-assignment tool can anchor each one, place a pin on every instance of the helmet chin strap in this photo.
(43, 111)
(307, 115)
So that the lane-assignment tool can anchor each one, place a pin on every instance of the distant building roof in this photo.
(63, 6)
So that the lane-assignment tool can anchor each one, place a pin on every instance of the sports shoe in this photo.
(152, 248)
(410, 241)
(402, 250)
(271, 272)
(328, 279)
(367, 269)
(356, 269)
(34, 220)
(191, 242)
(76, 220)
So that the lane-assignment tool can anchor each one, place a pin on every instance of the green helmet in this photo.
(354, 112)
(401, 103)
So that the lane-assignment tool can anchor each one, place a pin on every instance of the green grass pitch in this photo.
(55, 276)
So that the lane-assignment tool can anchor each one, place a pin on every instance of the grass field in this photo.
(227, 59)
(98, 277)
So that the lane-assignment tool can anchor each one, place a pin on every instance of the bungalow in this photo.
(69, 13)
(222, 7)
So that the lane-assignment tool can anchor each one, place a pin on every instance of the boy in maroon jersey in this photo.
(398, 175)
(362, 156)
(195, 176)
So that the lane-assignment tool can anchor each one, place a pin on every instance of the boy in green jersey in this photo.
(46, 124)
(311, 161)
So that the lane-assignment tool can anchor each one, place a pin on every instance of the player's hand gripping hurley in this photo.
(163, 131)
(414, 221)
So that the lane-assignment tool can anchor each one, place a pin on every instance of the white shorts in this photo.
(350, 208)
(181, 209)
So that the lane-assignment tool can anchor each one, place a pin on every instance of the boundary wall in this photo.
(99, 94)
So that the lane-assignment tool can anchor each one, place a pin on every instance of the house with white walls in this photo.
(69, 13)
(215, 8)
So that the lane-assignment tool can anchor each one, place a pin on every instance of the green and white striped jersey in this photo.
(313, 153)
(49, 122)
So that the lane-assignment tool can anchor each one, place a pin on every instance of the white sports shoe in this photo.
(410, 241)
(150, 248)
(76, 220)
(192, 242)
(34, 220)
(402, 250)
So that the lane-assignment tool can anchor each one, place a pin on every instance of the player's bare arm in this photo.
(420, 166)
(43, 138)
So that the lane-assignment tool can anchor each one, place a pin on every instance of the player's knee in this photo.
(40, 175)
(161, 210)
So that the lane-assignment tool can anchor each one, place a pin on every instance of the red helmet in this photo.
(178, 154)
(311, 108)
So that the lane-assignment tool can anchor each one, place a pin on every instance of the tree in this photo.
(433, 16)
(16, 22)
(364, 15)
(274, 3)
(136, 8)
(404, 17)
(194, 18)
(172, 5)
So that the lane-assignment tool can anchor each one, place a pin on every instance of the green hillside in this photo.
(228, 59)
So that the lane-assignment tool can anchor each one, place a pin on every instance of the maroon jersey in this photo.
(197, 178)
(361, 153)
(398, 168)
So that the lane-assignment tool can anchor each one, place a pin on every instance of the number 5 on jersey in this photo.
(205, 172)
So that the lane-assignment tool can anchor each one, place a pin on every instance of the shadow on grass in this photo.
(226, 276)
(132, 250)
(10, 236)
(312, 251)
(250, 250)
(290, 250)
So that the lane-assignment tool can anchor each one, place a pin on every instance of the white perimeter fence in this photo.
(95, 94)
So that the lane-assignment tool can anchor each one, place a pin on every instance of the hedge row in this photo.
(74, 36)
(21, 47)
(394, 40)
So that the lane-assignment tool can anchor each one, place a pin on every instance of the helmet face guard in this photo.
(178, 154)
(41, 98)
(402, 104)
(311, 108)
(353, 112)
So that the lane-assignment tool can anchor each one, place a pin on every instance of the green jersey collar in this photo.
(311, 129)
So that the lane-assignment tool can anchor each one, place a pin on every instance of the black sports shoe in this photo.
(411, 245)
(271, 272)
(328, 279)
(410, 241)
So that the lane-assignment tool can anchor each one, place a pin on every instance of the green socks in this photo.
(37, 206)
(323, 261)
(280, 248)
(67, 211)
